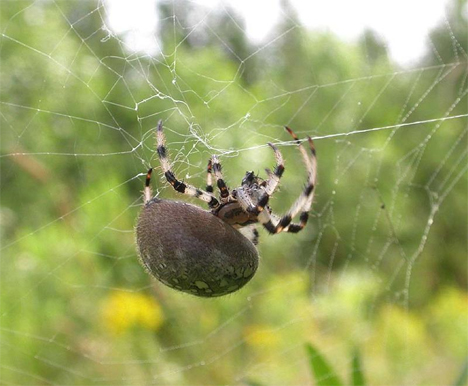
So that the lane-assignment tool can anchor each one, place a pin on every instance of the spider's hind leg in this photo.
(179, 186)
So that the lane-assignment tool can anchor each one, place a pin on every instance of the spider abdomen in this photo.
(192, 250)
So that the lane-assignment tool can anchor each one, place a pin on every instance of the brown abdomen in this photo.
(192, 250)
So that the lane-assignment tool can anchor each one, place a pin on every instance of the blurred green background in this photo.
(381, 266)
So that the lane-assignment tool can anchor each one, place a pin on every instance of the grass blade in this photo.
(357, 376)
(323, 372)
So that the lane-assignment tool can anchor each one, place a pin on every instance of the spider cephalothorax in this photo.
(212, 253)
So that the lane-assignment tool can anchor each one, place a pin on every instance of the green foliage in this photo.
(325, 375)
(463, 377)
(323, 372)
(357, 374)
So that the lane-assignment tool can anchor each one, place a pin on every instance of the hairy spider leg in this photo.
(310, 189)
(179, 186)
(275, 176)
(304, 201)
(223, 189)
(270, 186)
(273, 180)
(305, 157)
(251, 232)
(147, 194)
(209, 177)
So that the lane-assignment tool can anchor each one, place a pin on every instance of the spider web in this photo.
(381, 266)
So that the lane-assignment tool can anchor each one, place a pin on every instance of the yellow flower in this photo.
(261, 336)
(124, 310)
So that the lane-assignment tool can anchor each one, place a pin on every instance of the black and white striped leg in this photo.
(223, 189)
(209, 177)
(292, 227)
(304, 201)
(179, 186)
(275, 224)
(305, 157)
(275, 175)
(270, 184)
(251, 233)
(147, 194)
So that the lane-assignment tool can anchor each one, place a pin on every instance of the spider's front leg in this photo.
(269, 186)
(179, 186)
(303, 204)
(275, 175)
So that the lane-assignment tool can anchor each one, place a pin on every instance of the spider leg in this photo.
(147, 191)
(179, 186)
(292, 227)
(270, 184)
(224, 191)
(209, 177)
(251, 233)
(305, 158)
(303, 202)
(275, 224)
(275, 176)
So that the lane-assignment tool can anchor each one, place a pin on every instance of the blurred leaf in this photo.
(324, 373)
(253, 383)
(463, 377)
(357, 376)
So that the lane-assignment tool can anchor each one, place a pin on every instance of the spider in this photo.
(212, 252)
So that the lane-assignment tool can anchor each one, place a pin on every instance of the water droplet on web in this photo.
(174, 81)
(105, 38)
